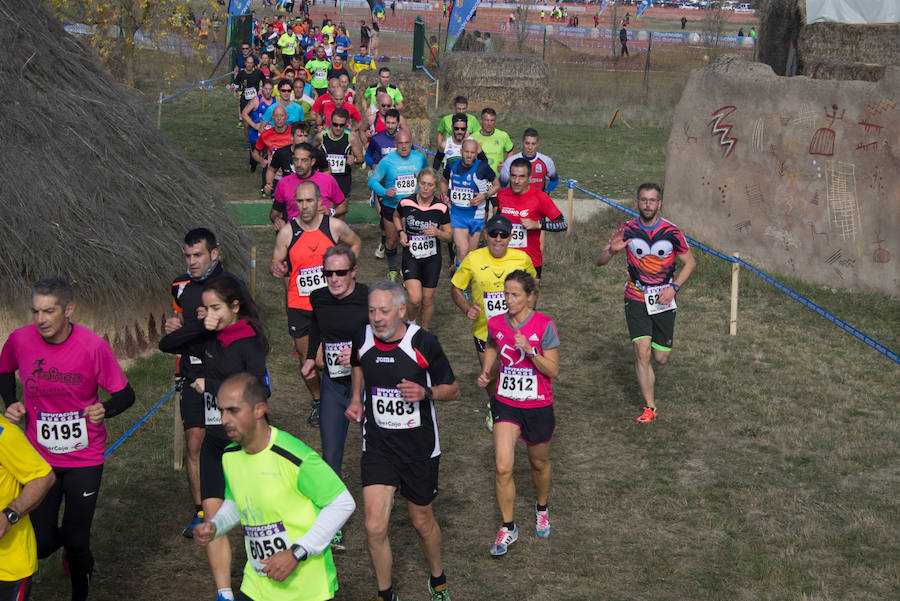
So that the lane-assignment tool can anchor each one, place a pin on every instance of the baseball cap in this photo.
(498, 222)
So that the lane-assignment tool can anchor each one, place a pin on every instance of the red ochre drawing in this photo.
(723, 130)
(688, 137)
(822, 142)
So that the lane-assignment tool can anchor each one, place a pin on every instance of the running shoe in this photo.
(188, 531)
(240, 124)
(489, 419)
(541, 522)
(223, 598)
(394, 597)
(647, 416)
(337, 541)
(504, 539)
(439, 592)
(313, 420)
(394, 276)
(379, 252)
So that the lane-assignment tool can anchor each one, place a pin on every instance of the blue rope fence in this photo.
(862, 337)
(140, 421)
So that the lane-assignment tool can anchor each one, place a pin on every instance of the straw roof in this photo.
(93, 191)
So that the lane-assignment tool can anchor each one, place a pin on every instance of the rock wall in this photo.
(801, 176)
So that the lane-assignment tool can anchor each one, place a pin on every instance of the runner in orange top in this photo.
(299, 248)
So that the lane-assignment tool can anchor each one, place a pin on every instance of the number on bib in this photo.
(62, 432)
(392, 412)
(212, 415)
(337, 162)
(461, 197)
(517, 383)
(310, 279)
(494, 304)
(519, 237)
(319, 74)
(249, 93)
(263, 542)
(405, 184)
(422, 247)
(332, 350)
(651, 300)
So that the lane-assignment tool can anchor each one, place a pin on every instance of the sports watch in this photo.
(298, 552)
(12, 516)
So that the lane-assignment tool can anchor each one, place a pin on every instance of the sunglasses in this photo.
(336, 124)
(499, 234)
(460, 128)
(338, 272)
(286, 90)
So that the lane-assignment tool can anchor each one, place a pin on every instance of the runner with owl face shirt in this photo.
(652, 244)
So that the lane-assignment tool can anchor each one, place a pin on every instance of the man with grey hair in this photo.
(62, 365)
(400, 370)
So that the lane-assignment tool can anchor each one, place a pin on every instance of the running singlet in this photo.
(377, 125)
(391, 425)
(279, 493)
(414, 219)
(399, 173)
(452, 151)
(495, 146)
(319, 71)
(464, 184)
(487, 274)
(19, 462)
(270, 141)
(336, 151)
(379, 147)
(58, 382)
(650, 254)
(305, 262)
(534, 205)
(520, 383)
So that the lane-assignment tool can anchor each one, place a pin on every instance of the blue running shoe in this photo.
(504, 539)
(188, 531)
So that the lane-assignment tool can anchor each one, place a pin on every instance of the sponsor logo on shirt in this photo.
(384, 359)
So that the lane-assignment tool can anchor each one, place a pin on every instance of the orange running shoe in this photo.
(647, 416)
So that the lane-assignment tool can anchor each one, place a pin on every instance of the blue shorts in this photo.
(471, 219)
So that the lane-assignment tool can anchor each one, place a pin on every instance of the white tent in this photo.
(853, 12)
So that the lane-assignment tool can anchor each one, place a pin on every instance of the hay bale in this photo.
(416, 88)
(506, 82)
(825, 50)
(93, 190)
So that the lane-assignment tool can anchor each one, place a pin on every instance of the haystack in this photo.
(418, 95)
(825, 50)
(93, 192)
(506, 82)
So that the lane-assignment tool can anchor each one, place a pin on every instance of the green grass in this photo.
(771, 473)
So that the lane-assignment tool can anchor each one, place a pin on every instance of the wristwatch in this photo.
(675, 286)
(298, 552)
(12, 516)
(428, 394)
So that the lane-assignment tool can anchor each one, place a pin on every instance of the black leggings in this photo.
(80, 486)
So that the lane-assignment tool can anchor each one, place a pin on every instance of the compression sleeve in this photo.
(556, 225)
(551, 183)
(226, 518)
(328, 522)
(8, 388)
(119, 402)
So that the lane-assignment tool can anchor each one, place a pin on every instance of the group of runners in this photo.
(366, 353)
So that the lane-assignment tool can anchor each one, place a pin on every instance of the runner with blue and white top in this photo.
(395, 178)
(468, 183)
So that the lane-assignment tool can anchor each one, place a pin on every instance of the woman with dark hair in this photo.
(233, 341)
(526, 344)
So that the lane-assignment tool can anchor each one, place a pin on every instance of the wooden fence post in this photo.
(735, 271)
(177, 437)
(159, 112)
(571, 184)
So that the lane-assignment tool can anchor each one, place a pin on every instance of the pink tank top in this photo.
(520, 383)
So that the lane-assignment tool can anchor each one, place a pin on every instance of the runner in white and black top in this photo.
(401, 369)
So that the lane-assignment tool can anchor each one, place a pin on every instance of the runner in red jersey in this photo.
(526, 344)
(651, 244)
(62, 365)
(530, 211)
(298, 252)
